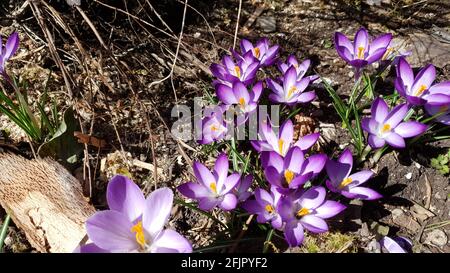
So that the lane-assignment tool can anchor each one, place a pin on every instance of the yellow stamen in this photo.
(213, 187)
(289, 176)
(345, 182)
(421, 89)
(139, 230)
(269, 208)
(214, 128)
(242, 102)
(280, 146)
(387, 53)
(302, 212)
(257, 52)
(292, 90)
(237, 71)
(361, 52)
(386, 128)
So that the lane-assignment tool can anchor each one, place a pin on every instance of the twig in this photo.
(241, 234)
(428, 186)
(237, 24)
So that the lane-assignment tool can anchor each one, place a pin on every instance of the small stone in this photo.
(396, 213)
(373, 247)
(436, 237)
(408, 176)
(364, 231)
(197, 35)
(417, 165)
(268, 24)
(351, 74)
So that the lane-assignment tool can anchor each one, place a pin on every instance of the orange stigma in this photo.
(289, 176)
(139, 230)
(360, 52)
(386, 128)
(345, 182)
(421, 89)
(302, 212)
(257, 52)
(237, 71)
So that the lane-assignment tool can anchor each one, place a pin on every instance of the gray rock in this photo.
(73, 2)
(373, 247)
(267, 23)
(436, 237)
(428, 48)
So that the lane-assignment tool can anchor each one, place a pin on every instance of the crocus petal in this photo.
(438, 99)
(337, 171)
(315, 164)
(11, 45)
(361, 40)
(361, 193)
(203, 175)
(346, 157)
(221, 169)
(299, 180)
(442, 88)
(376, 56)
(314, 224)
(193, 190)
(343, 44)
(225, 94)
(125, 196)
(111, 230)
(272, 159)
(312, 198)
(246, 45)
(410, 129)
(157, 210)
(230, 182)
(241, 92)
(307, 141)
(376, 142)
(290, 77)
(273, 176)
(229, 202)
(277, 222)
(170, 241)
(274, 86)
(390, 245)
(405, 72)
(381, 42)
(369, 125)
(306, 96)
(425, 77)
(90, 248)
(252, 206)
(293, 233)
(294, 159)
(329, 209)
(379, 110)
(395, 140)
(287, 134)
(208, 203)
(302, 68)
(396, 115)
(360, 177)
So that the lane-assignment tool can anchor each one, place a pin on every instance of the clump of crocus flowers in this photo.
(134, 223)
(292, 196)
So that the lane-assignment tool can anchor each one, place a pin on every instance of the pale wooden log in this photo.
(45, 201)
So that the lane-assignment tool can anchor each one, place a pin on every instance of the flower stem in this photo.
(235, 163)
(379, 153)
(364, 154)
(268, 239)
(4, 231)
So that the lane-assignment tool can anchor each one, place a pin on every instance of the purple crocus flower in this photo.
(414, 89)
(242, 188)
(292, 90)
(282, 141)
(349, 185)
(265, 206)
(301, 68)
(438, 102)
(387, 126)
(361, 51)
(306, 209)
(262, 51)
(214, 189)
(8, 51)
(395, 245)
(213, 128)
(394, 52)
(292, 171)
(229, 71)
(239, 95)
(133, 223)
